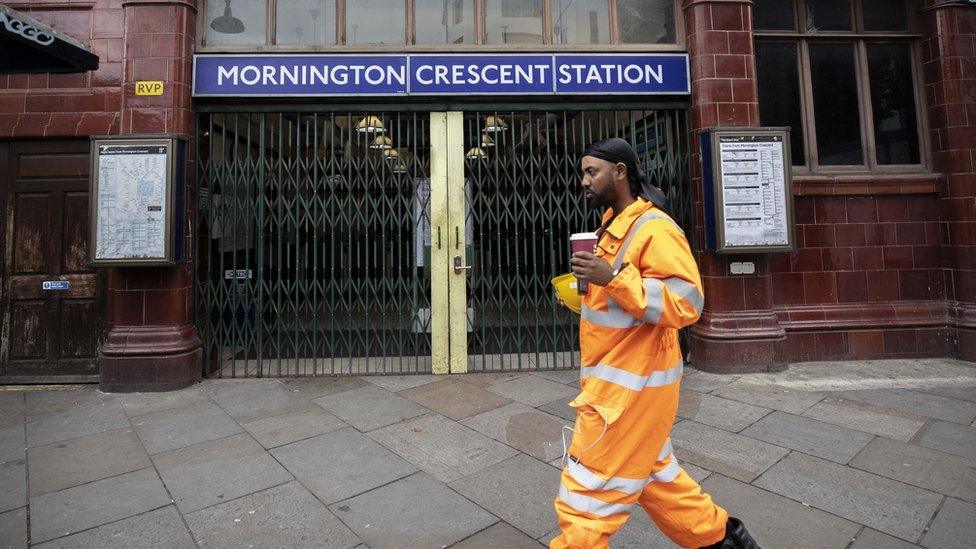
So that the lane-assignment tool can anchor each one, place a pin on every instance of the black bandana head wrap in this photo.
(616, 150)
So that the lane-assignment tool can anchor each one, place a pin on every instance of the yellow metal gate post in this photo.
(440, 339)
(458, 268)
(449, 318)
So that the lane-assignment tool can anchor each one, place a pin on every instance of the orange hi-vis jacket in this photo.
(629, 329)
(631, 367)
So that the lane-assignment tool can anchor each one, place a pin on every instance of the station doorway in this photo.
(373, 241)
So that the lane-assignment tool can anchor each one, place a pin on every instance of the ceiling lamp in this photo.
(381, 142)
(227, 23)
(495, 124)
(370, 124)
(391, 154)
(487, 141)
(475, 153)
(400, 166)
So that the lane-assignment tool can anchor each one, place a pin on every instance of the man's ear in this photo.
(620, 170)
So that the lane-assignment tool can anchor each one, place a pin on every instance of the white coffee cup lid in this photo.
(583, 236)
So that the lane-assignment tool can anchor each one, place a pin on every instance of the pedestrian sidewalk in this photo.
(832, 455)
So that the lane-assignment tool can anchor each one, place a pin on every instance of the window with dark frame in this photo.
(841, 74)
(239, 24)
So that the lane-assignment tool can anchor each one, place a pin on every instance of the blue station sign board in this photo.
(314, 75)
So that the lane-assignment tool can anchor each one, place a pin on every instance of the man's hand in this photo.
(592, 269)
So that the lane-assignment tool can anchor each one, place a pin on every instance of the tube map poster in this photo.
(131, 216)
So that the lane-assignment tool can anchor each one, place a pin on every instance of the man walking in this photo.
(643, 286)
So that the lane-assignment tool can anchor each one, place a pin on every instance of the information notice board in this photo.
(137, 200)
(748, 190)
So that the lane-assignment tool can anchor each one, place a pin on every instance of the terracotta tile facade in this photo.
(69, 105)
(151, 343)
(885, 265)
(738, 327)
(948, 53)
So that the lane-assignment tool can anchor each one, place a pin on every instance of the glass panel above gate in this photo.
(305, 22)
(314, 243)
(524, 199)
(437, 25)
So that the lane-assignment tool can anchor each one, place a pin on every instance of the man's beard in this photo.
(600, 200)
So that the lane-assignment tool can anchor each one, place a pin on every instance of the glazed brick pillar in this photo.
(152, 344)
(738, 331)
(949, 70)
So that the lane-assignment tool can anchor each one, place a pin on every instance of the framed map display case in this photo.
(748, 190)
(137, 200)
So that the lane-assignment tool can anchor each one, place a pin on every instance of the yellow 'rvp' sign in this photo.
(149, 87)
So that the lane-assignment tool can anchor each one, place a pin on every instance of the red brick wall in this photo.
(949, 71)
(159, 40)
(866, 281)
(862, 249)
(69, 105)
(738, 330)
(151, 343)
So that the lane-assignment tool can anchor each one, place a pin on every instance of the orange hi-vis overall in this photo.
(631, 368)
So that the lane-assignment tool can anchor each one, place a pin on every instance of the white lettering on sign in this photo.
(303, 75)
(611, 74)
(491, 74)
(55, 285)
(239, 274)
(26, 30)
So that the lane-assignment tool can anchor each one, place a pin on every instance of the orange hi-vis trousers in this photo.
(631, 462)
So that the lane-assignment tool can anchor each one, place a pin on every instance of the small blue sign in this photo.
(260, 75)
(55, 285)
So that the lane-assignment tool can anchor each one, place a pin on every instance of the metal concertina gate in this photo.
(327, 241)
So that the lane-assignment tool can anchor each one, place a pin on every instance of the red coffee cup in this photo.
(582, 242)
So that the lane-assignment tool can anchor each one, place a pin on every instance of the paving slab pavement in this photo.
(342, 464)
(283, 516)
(61, 465)
(930, 469)
(526, 429)
(473, 461)
(809, 436)
(517, 490)
(72, 510)
(886, 505)
(779, 521)
(392, 516)
(947, 437)
(158, 528)
(954, 526)
(13, 529)
(869, 419)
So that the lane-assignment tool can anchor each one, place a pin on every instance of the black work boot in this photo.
(736, 537)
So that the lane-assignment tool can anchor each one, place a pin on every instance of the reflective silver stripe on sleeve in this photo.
(686, 290)
(615, 316)
(586, 504)
(669, 473)
(655, 300)
(591, 481)
(632, 381)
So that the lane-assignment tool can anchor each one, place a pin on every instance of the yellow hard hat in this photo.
(565, 285)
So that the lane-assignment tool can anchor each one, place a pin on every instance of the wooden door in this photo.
(48, 335)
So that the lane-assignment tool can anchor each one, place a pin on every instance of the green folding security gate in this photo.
(402, 242)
